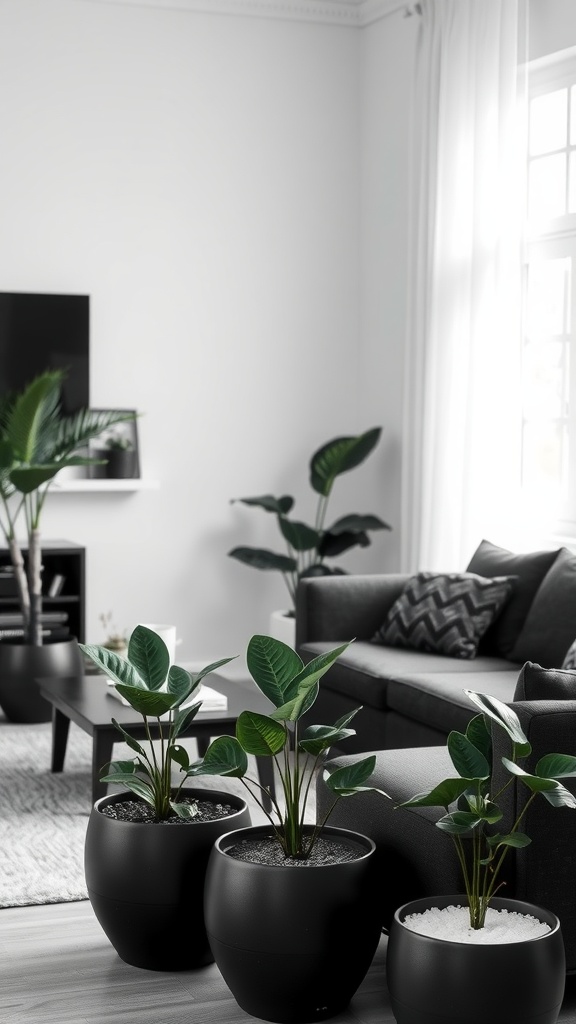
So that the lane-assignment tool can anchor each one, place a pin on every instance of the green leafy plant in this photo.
(309, 546)
(119, 442)
(292, 689)
(481, 850)
(36, 442)
(154, 689)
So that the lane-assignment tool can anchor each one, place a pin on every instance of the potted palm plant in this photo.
(36, 443)
(307, 889)
(309, 547)
(147, 845)
(517, 945)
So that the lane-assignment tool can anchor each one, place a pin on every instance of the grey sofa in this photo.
(414, 697)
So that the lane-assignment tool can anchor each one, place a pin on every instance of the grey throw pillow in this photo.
(530, 569)
(550, 625)
(444, 613)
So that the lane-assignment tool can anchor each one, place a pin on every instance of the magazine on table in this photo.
(212, 700)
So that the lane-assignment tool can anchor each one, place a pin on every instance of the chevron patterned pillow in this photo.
(445, 613)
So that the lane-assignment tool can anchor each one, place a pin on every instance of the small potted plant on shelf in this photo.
(144, 870)
(319, 880)
(309, 547)
(37, 441)
(478, 937)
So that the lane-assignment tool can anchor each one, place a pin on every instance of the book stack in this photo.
(53, 625)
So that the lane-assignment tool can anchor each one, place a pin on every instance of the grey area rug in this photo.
(43, 816)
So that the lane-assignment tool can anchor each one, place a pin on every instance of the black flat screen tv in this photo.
(46, 332)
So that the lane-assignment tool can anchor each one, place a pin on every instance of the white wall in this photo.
(199, 177)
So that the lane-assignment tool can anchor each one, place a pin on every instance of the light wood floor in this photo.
(57, 967)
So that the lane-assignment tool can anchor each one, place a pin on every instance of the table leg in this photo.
(60, 727)
(102, 747)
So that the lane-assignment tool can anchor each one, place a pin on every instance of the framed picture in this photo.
(119, 446)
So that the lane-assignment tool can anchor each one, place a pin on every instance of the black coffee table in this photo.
(87, 702)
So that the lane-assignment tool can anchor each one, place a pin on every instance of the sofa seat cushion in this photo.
(364, 670)
(445, 613)
(530, 569)
(550, 626)
(437, 699)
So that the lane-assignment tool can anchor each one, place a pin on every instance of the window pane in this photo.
(547, 187)
(544, 381)
(547, 308)
(572, 183)
(548, 122)
(542, 456)
(573, 115)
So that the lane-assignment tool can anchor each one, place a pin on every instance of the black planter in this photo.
(22, 664)
(146, 883)
(435, 981)
(293, 944)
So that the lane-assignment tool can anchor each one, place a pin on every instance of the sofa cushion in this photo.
(530, 569)
(440, 700)
(550, 625)
(445, 613)
(537, 683)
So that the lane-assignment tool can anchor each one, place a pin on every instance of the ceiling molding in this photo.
(352, 13)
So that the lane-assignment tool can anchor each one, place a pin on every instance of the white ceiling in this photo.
(353, 13)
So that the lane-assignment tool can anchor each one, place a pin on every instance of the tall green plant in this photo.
(298, 752)
(154, 689)
(481, 849)
(309, 546)
(36, 442)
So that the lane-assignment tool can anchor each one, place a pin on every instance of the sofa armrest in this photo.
(344, 607)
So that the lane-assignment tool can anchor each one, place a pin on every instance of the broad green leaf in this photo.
(459, 822)
(125, 767)
(281, 506)
(28, 479)
(554, 792)
(183, 717)
(133, 783)
(442, 795)
(338, 456)
(350, 779)
(117, 668)
(333, 544)
(273, 667)
(317, 738)
(301, 691)
(468, 761)
(479, 734)
(299, 536)
(556, 766)
(188, 810)
(504, 716)
(515, 839)
(151, 703)
(150, 656)
(260, 734)
(179, 754)
(224, 756)
(179, 684)
(261, 558)
(355, 523)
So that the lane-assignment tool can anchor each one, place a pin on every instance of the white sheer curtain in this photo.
(462, 422)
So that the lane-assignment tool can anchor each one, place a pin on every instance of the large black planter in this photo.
(22, 664)
(435, 981)
(146, 882)
(293, 944)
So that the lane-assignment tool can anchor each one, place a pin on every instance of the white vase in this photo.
(283, 627)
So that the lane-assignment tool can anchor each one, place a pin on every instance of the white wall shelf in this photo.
(81, 486)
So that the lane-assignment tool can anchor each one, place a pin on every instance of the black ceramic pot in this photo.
(293, 944)
(435, 981)
(146, 882)
(22, 664)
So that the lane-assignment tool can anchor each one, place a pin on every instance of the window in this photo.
(548, 469)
